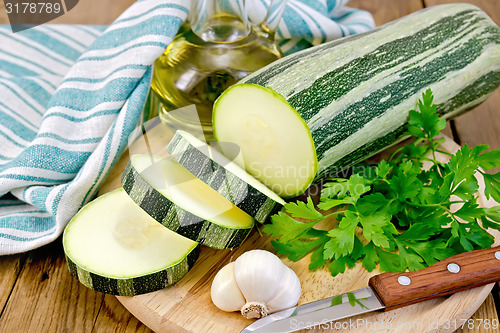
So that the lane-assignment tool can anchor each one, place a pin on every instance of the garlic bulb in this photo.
(257, 284)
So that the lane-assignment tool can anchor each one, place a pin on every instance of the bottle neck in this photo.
(219, 21)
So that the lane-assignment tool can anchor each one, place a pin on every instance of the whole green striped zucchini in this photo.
(321, 110)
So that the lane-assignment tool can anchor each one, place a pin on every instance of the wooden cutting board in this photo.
(186, 306)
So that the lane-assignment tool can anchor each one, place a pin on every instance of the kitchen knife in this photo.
(389, 291)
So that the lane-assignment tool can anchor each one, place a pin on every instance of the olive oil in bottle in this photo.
(217, 48)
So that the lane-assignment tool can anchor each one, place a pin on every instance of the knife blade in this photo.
(388, 291)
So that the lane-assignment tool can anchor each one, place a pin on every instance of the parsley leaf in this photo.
(317, 259)
(492, 189)
(286, 227)
(342, 238)
(303, 210)
(426, 123)
(371, 258)
(375, 227)
(409, 259)
(489, 160)
(383, 169)
(389, 262)
(297, 249)
(371, 203)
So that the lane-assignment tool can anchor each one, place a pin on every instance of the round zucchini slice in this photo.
(224, 175)
(181, 202)
(113, 246)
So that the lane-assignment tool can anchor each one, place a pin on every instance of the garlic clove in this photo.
(289, 294)
(225, 292)
(257, 283)
(258, 274)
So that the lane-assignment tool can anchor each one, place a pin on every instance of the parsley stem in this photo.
(420, 205)
(434, 205)
(397, 151)
(333, 214)
(394, 153)
(380, 180)
(444, 152)
(423, 158)
(328, 215)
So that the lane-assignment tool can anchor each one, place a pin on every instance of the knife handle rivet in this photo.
(453, 268)
(404, 280)
(497, 255)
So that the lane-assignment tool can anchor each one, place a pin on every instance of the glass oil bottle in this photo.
(214, 49)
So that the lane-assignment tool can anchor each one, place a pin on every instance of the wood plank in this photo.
(113, 317)
(384, 11)
(3, 14)
(46, 298)
(491, 7)
(477, 323)
(85, 12)
(94, 12)
(10, 267)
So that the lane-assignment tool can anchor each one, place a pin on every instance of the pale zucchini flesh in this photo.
(113, 246)
(183, 203)
(224, 175)
(354, 94)
(275, 141)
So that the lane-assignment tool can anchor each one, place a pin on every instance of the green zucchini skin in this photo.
(355, 93)
(212, 172)
(137, 285)
(177, 219)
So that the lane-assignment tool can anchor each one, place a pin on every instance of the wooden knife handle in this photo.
(459, 272)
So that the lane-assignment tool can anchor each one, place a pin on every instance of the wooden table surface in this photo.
(37, 292)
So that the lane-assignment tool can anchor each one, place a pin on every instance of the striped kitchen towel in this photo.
(71, 95)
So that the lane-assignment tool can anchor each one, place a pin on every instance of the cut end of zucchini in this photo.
(114, 247)
(181, 202)
(276, 143)
(224, 175)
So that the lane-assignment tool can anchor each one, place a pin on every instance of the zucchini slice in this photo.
(181, 202)
(275, 141)
(224, 176)
(113, 246)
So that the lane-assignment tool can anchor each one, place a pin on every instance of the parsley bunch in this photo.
(397, 214)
